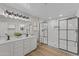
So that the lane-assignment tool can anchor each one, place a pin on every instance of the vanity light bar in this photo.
(11, 13)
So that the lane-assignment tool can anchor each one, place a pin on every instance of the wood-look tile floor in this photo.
(45, 50)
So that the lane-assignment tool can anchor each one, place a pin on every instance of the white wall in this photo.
(5, 23)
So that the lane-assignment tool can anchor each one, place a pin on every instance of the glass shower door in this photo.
(63, 34)
(72, 35)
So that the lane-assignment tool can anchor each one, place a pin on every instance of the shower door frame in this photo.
(67, 36)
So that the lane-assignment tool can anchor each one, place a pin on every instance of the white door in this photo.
(43, 32)
(5, 49)
(18, 48)
(45, 39)
(53, 33)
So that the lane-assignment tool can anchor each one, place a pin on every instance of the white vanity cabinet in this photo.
(18, 48)
(6, 49)
(33, 43)
(27, 46)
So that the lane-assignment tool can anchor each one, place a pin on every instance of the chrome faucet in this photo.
(8, 37)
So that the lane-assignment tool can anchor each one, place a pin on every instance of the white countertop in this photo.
(14, 39)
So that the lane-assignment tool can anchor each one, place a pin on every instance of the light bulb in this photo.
(5, 14)
(60, 15)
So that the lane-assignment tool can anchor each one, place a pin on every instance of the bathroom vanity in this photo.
(18, 46)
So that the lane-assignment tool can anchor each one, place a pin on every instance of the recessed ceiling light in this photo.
(60, 15)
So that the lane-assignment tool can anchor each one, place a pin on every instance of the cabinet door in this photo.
(63, 44)
(27, 46)
(72, 46)
(5, 50)
(33, 42)
(73, 24)
(63, 24)
(18, 48)
(72, 35)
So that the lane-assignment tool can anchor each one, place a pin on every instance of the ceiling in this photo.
(46, 10)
